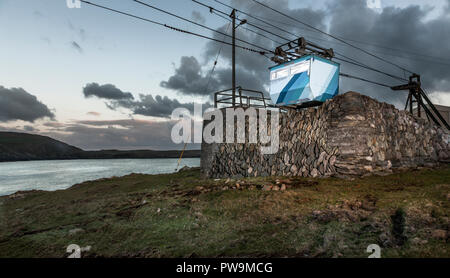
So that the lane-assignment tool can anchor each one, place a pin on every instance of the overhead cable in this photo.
(334, 37)
(172, 27)
(198, 24)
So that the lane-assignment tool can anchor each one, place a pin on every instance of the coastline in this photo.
(115, 154)
(53, 175)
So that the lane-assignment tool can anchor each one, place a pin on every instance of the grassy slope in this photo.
(183, 215)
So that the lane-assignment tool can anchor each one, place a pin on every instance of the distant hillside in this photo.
(16, 146)
(22, 146)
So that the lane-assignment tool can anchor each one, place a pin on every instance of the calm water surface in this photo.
(61, 174)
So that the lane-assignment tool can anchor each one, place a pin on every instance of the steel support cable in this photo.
(438, 114)
(240, 20)
(334, 37)
(363, 79)
(279, 28)
(403, 56)
(205, 37)
(215, 62)
(357, 63)
(245, 28)
(356, 41)
(407, 54)
(403, 51)
(370, 68)
(256, 18)
(173, 28)
(195, 23)
(395, 49)
(410, 57)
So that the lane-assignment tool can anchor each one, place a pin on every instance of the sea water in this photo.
(61, 174)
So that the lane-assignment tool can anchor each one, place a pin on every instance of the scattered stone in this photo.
(16, 196)
(184, 168)
(276, 188)
(419, 241)
(439, 234)
(86, 248)
(283, 187)
(385, 240)
(75, 231)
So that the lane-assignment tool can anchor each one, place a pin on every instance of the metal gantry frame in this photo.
(246, 98)
(417, 95)
(297, 48)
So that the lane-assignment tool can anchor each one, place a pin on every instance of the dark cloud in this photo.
(76, 46)
(107, 91)
(198, 17)
(158, 106)
(406, 29)
(146, 105)
(252, 68)
(189, 78)
(397, 28)
(18, 104)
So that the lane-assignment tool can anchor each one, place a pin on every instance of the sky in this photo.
(100, 80)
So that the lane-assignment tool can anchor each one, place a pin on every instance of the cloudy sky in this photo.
(96, 79)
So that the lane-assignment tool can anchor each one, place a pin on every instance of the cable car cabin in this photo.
(304, 82)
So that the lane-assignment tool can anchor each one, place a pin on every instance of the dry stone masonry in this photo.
(350, 135)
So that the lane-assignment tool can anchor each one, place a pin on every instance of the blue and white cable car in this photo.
(309, 79)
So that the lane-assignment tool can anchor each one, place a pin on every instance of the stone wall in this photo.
(351, 134)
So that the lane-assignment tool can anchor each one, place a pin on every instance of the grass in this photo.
(184, 215)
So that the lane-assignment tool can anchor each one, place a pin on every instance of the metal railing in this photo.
(243, 98)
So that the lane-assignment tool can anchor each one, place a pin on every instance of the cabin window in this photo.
(300, 67)
(279, 74)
